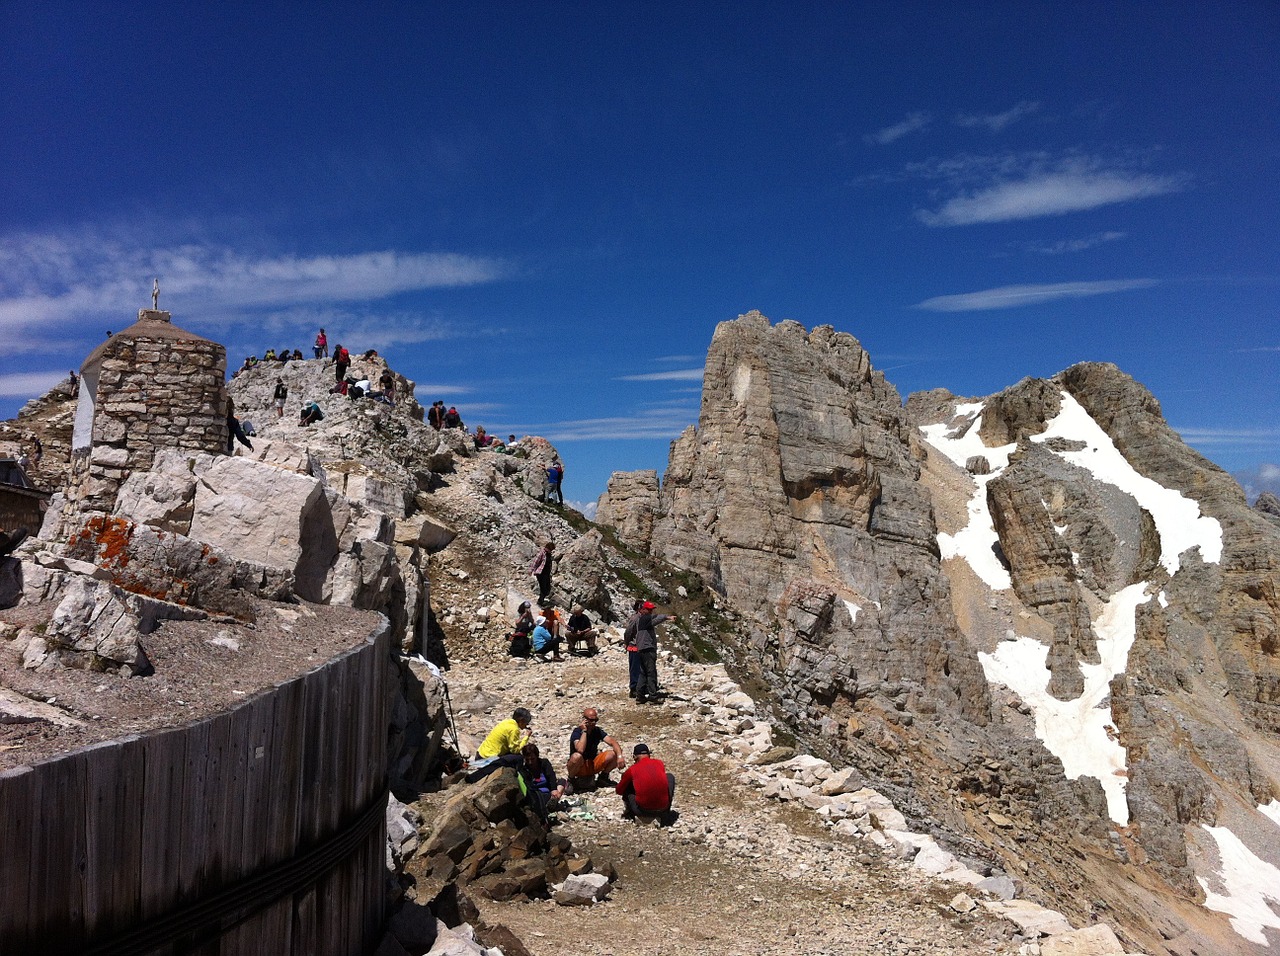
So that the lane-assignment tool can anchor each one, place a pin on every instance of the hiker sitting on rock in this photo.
(585, 756)
(311, 413)
(646, 787)
(544, 642)
(540, 780)
(519, 643)
(580, 631)
(503, 746)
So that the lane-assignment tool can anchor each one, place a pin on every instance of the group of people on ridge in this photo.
(646, 787)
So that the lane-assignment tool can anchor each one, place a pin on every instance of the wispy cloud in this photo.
(1072, 186)
(1261, 348)
(676, 375)
(663, 424)
(998, 121)
(58, 280)
(1073, 245)
(1016, 296)
(1232, 438)
(913, 122)
(676, 358)
(22, 384)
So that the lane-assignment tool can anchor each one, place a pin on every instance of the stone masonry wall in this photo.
(153, 392)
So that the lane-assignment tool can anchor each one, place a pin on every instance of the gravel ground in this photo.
(736, 873)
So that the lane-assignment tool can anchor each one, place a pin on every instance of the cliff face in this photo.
(1044, 619)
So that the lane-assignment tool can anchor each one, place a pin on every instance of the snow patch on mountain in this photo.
(1178, 519)
(1249, 887)
(975, 543)
(1078, 732)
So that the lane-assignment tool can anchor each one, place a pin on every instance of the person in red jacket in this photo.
(646, 786)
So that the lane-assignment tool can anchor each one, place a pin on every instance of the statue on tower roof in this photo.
(155, 295)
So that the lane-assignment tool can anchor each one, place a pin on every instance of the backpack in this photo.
(519, 646)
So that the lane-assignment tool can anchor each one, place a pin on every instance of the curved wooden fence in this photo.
(258, 830)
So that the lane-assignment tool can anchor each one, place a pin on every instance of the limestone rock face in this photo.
(802, 467)
(629, 504)
(267, 516)
(1037, 614)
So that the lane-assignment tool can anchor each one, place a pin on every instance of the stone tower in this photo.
(153, 385)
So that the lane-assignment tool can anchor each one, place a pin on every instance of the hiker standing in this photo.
(322, 345)
(281, 393)
(541, 570)
(647, 651)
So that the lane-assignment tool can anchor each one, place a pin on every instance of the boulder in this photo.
(267, 516)
(582, 889)
(1096, 940)
(629, 505)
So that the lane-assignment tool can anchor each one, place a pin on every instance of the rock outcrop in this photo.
(1039, 608)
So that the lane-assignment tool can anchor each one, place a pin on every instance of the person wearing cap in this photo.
(586, 755)
(580, 630)
(647, 650)
(635, 677)
(646, 787)
(544, 641)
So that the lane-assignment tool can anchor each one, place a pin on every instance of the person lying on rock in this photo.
(580, 631)
(647, 787)
(504, 746)
(586, 758)
(540, 780)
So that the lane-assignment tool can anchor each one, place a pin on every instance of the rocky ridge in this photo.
(896, 560)
(438, 537)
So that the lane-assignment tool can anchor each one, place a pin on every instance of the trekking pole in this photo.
(453, 725)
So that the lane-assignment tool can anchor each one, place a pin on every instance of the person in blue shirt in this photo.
(544, 641)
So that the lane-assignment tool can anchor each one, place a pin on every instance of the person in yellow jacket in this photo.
(508, 739)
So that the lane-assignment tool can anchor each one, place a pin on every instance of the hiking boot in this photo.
(604, 780)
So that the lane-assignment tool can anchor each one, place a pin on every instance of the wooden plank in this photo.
(57, 898)
(284, 756)
(164, 771)
(257, 850)
(113, 835)
(195, 831)
(19, 809)
(316, 749)
(268, 931)
(375, 892)
(305, 933)
(236, 861)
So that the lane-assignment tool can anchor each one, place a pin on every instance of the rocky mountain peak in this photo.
(1038, 606)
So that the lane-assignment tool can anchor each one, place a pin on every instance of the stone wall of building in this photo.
(156, 386)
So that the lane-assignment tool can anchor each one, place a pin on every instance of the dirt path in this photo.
(737, 873)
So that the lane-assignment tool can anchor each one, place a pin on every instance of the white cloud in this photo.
(1074, 186)
(913, 122)
(62, 279)
(998, 121)
(1074, 245)
(664, 424)
(586, 508)
(1016, 296)
(24, 384)
(1264, 477)
(1233, 438)
(677, 375)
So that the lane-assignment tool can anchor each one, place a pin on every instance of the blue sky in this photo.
(540, 211)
